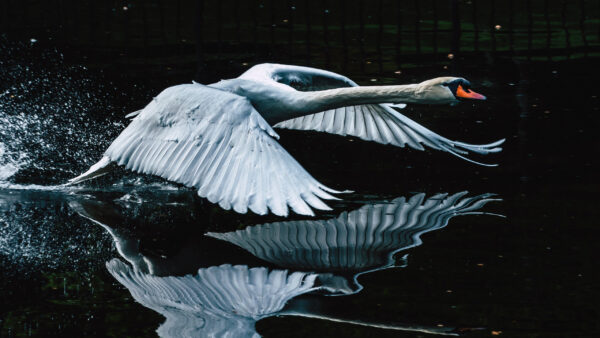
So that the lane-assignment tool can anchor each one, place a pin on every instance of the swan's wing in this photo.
(371, 122)
(218, 143)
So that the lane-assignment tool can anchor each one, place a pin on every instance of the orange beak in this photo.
(468, 94)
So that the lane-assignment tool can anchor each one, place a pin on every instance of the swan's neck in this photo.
(313, 102)
(278, 102)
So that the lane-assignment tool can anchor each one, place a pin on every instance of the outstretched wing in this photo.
(218, 143)
(372, 122)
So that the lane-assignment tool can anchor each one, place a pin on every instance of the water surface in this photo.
(428, 244)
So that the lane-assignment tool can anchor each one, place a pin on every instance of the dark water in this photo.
(470, 250)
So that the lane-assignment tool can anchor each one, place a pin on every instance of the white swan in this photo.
(218, 138)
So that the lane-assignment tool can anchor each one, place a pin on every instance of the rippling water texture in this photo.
(428, 244)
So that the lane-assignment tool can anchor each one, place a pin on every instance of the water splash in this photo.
(10, 163)
(55, 118)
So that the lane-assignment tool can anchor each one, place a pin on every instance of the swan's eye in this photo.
(453, 85)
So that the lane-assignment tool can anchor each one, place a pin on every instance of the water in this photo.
(127, 255)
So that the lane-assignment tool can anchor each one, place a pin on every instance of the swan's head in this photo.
(446, 90)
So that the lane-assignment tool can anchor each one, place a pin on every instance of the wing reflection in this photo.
(224, 300)
(360, 241)
(219, 301)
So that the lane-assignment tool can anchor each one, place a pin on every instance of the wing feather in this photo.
(361, 127)
(349, 120)
(218, 143)
(339, 118)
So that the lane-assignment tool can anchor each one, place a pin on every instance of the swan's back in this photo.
(183, 105)
(298, 77)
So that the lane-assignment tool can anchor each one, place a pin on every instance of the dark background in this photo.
(364, 37)
(71, 70)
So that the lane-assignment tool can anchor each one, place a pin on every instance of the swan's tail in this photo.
(104, 166)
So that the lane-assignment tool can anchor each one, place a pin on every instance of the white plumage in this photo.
(217, 142)
(371, 122)
(218, 138)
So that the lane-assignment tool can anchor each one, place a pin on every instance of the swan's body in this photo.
(218, 138)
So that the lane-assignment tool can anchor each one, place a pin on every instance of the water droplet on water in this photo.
(47, 114)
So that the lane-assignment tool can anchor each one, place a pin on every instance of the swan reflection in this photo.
(225, 300)
(219, 301)
(360, 241)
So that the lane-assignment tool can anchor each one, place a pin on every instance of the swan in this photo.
(219, 138)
